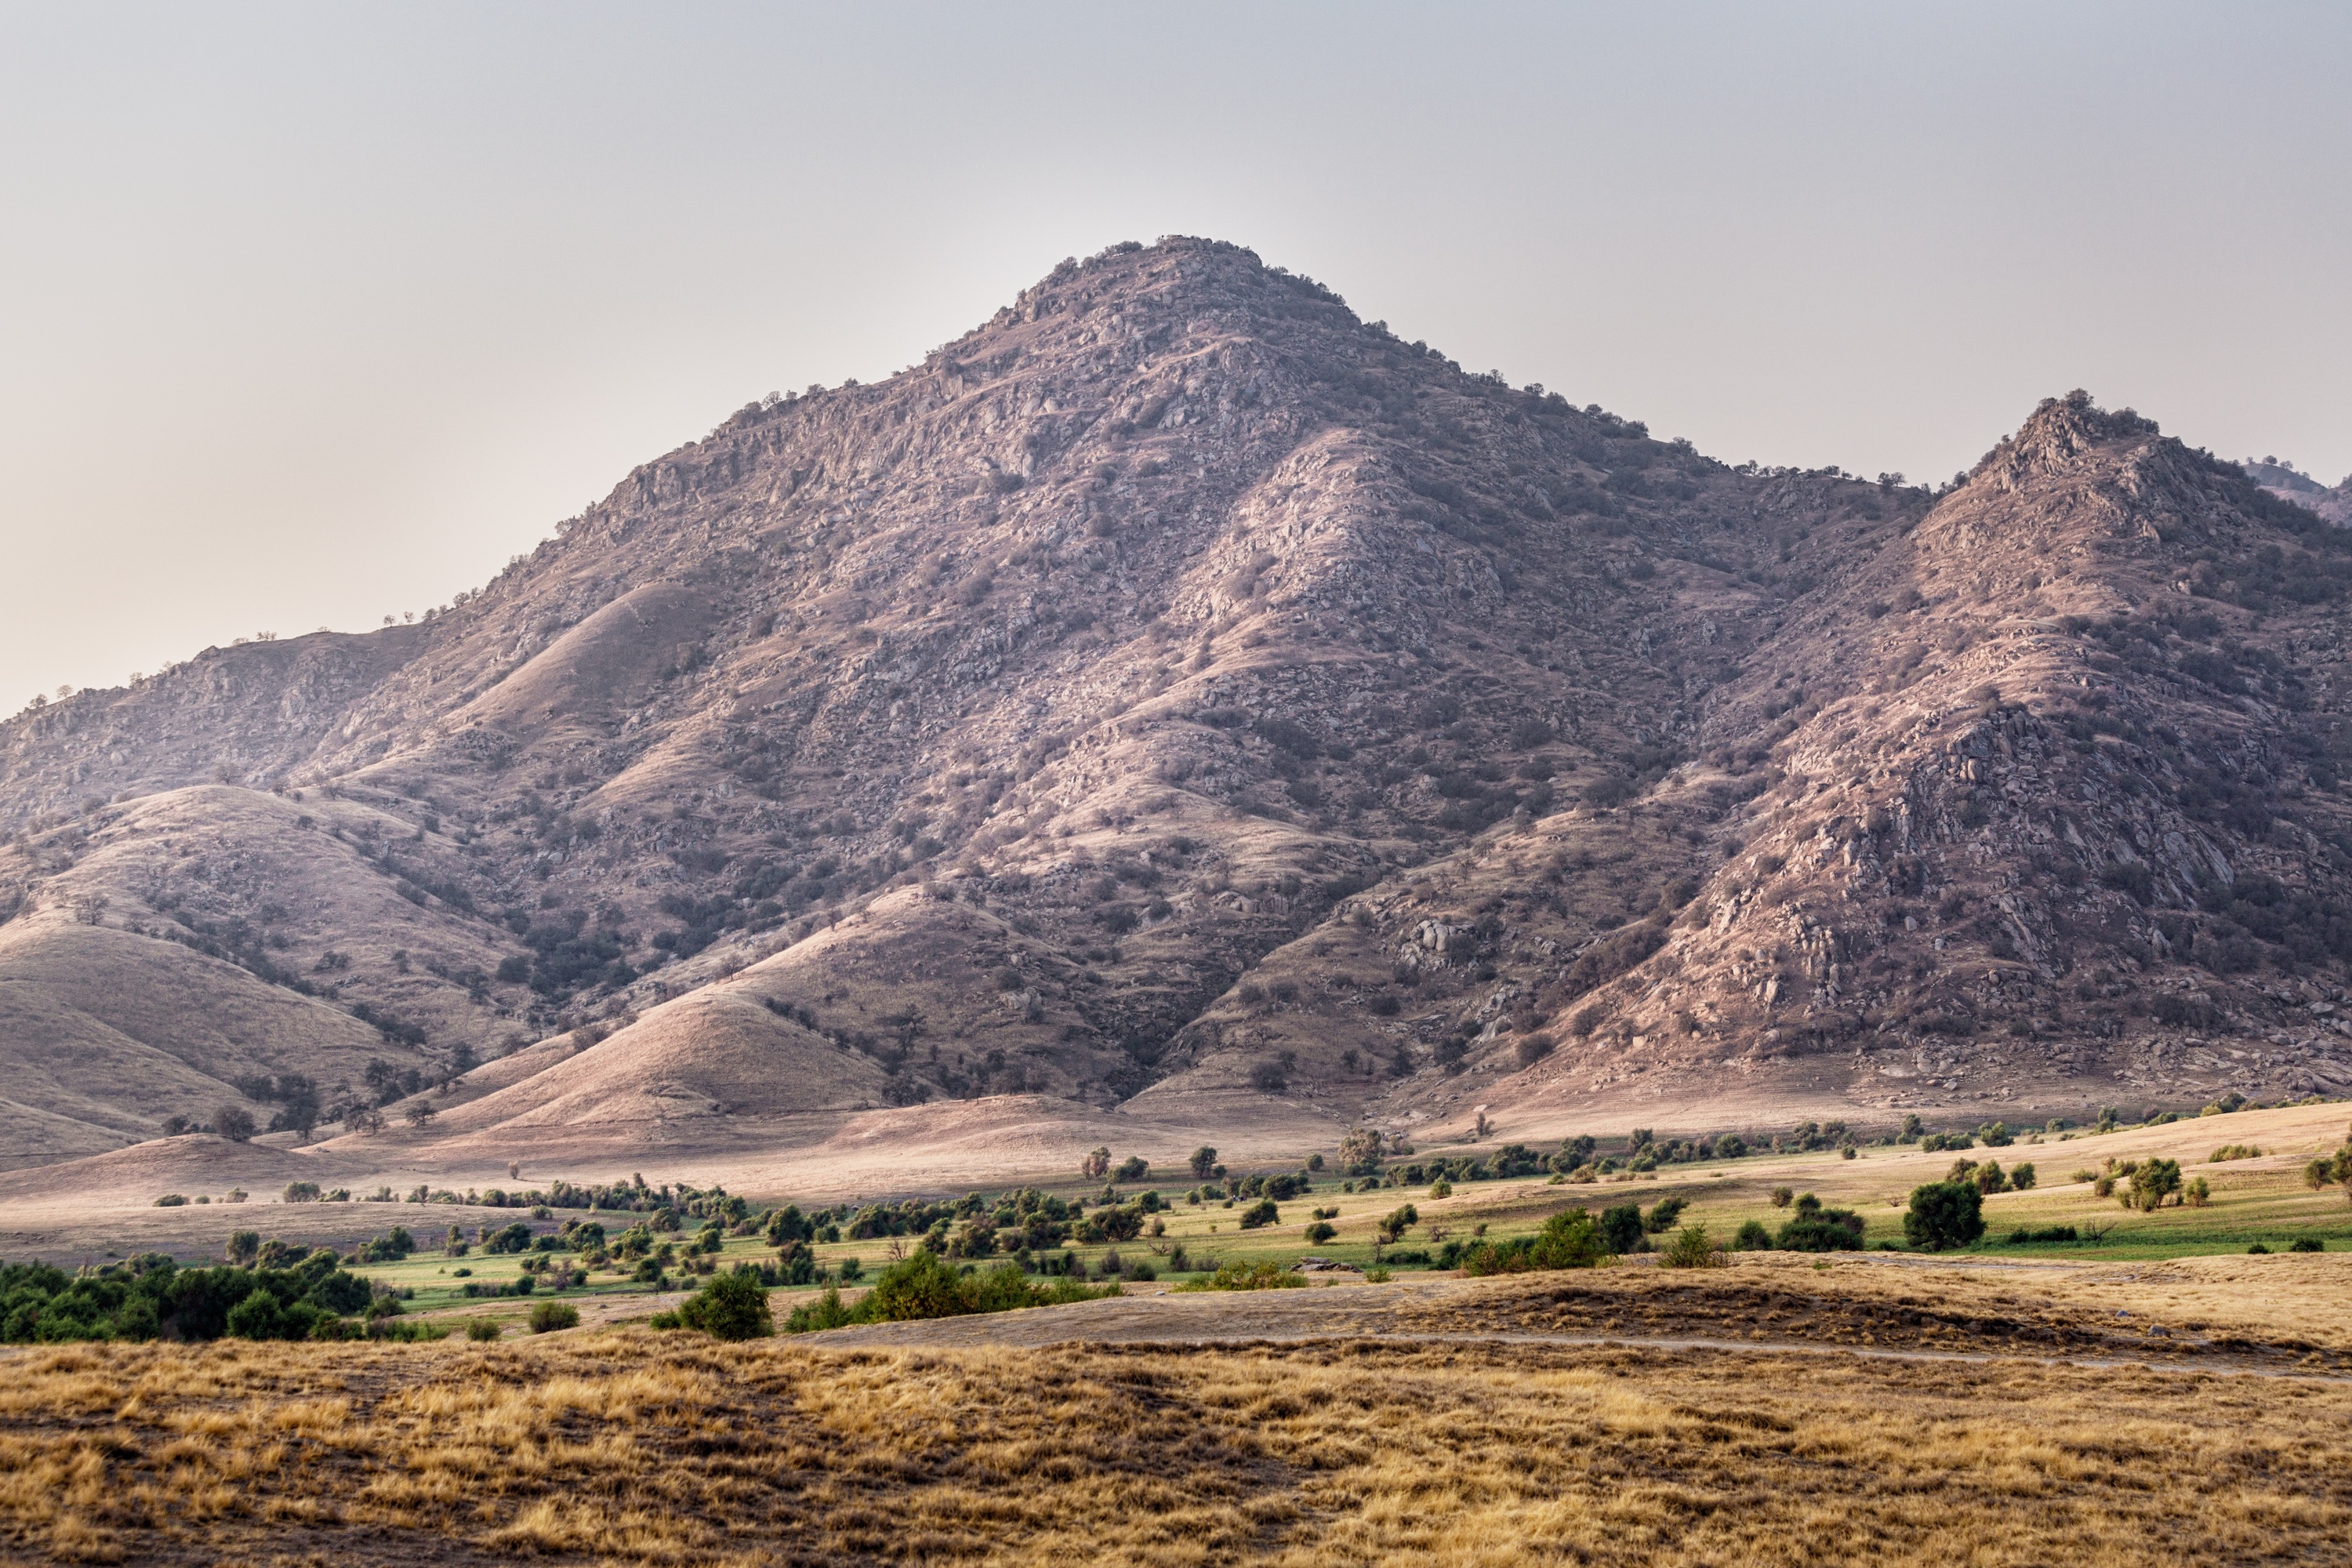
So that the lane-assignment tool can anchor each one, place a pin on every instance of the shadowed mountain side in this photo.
(713, 1056)
(108, 1029)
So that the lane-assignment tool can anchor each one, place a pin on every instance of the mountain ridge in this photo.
(1178, 694)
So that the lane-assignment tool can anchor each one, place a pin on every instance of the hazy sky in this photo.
(312, 313)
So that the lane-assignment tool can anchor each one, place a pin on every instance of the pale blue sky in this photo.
(311, 313)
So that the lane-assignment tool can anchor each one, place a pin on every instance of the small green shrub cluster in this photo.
(926, 1286)
(1570, 1239)
(1692, 1248)
(1247, 1276)
(546, 1317)
(1818, 1229)
(151, 1296)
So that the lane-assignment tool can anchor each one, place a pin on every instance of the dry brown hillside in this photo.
(1179, 696)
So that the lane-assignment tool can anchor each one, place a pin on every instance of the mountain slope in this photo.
(1180, 693)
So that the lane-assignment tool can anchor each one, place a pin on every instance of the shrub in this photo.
(2258, 1250)
(2022, 1237)
(233, 1123)
(1532, 1049)
(826, 1312)
(2199, 1193)
(546, 1317)
(1397, 1221)
(731, 1307)
(171, 1201)
(1753, 1237)
(2228, 1151)
(1319, 1233)
(1621, 1229)
(1691, 1249)
(1441, 1188)
(1260, 1213)
(1783, 1196)
(482, 1330)
(2306, 1243)
(1570, 1239)
(2152, 1182)
(1943, 1214)
(1662, 1218)
(1819, 1229)
(1247, 1276)
(2022, 1178)
(925, 1287)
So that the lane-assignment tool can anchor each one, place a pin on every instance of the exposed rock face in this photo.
(1180, 693)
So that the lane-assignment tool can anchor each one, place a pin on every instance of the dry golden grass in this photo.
(2283, 1309)
(629, 1447)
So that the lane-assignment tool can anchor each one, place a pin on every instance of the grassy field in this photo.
(2259, 1199)
(631, 1448)
(2161, 1398)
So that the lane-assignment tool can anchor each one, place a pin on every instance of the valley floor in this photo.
(1882, 1410)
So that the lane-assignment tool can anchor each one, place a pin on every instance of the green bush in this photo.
(1819, 1229)
(1691, 1249)
(482, 1330)
(1247, 1276)
(1260, 1213)
(2152, 1182)
(1753, 1237)
(1621, 1228)
(546, 1317)
(1319, 1233)
(731, 1307)
(924, 1286)
(1570, 1239)
(2306, 1243)
(1943, 1214)
(151, 1296)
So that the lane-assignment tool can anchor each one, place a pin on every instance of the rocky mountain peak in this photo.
(1178, 695)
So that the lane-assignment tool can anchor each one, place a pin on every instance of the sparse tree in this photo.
(1096, 1164)
(417, 1113)
(232, 1122)
(1943, 1214)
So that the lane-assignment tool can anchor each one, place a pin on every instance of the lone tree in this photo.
(731, 1307)
(2152, 1183)
(1943, 1214)
(1097, 1165)
(418, 1112)
(1204, 1163)
(232, 1122)
(1360, 1152)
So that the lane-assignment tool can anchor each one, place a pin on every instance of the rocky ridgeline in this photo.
(1178, 687)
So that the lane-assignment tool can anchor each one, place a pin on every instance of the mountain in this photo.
(1180, 700)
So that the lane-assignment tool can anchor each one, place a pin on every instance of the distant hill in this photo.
(2284, 482)
(1180, 699)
